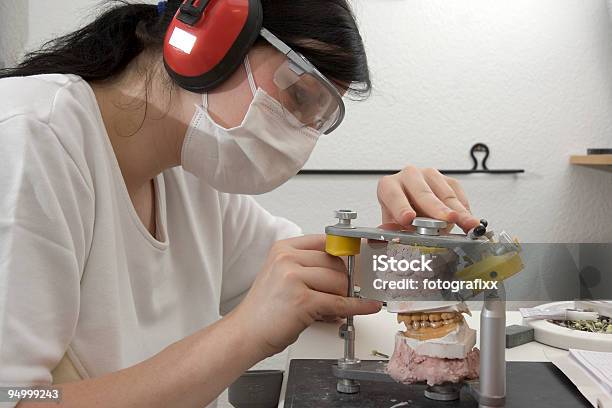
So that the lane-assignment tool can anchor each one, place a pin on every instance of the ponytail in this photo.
(103, 48)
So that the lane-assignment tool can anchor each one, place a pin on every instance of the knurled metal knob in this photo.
(344, 218)
(345, 214)
(428, 226)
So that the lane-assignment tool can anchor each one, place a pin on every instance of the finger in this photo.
(387, 217)
(307, 242)
(331, 305)
(392, 198)
(330, 319)
(442, 189)
(324, 280)
(391, 226)
(311, 258)
(423, 198)
(455, 185)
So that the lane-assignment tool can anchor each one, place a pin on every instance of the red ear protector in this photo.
(208, 40)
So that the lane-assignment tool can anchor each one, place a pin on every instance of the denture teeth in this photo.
(416, 322)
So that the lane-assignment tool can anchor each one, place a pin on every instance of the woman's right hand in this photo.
(299, 283)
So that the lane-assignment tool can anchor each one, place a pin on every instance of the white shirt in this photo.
(80, 276)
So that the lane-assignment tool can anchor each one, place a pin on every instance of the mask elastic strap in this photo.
(247, 66)
(250, 76)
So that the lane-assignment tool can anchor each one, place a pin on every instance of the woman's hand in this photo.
(424, 192)
(299, 284)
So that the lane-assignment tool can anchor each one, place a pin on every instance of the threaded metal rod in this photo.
(349, 340)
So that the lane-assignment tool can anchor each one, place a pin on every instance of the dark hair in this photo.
(324, 31)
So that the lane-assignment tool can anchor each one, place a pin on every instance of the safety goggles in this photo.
(304, 92)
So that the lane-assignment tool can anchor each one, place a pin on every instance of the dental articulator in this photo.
(444, 270)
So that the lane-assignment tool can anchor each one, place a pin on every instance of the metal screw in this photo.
(480, 230)
(344, 218)
(428, 226)
(346, 386)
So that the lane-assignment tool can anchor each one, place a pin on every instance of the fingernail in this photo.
(470, 223)
(469, 218)
(408, 213)
(466, 217)
(407, 216)
(451, 215)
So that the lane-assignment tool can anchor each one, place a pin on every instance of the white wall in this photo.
(47, 19)
(13, 30)
(531, 79)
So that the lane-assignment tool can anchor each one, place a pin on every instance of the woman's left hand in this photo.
(426, 193)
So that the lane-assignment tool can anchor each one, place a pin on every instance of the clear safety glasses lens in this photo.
(307, 97)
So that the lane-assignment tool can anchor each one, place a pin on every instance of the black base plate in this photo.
(311, 384)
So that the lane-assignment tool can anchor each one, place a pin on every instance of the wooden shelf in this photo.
(592, 160)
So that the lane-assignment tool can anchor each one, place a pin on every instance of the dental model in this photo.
(437, 347)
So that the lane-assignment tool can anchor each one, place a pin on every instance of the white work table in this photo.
(376, 332)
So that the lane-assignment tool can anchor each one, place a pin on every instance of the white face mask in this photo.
(264, 152)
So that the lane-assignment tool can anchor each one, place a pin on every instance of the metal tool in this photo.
(495, 257)
(347, 330)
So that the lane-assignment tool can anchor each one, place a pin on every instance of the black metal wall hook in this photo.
(481, 167)
(477, 167)
(480, 148)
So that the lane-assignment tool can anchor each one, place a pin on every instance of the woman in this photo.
(124, 229)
